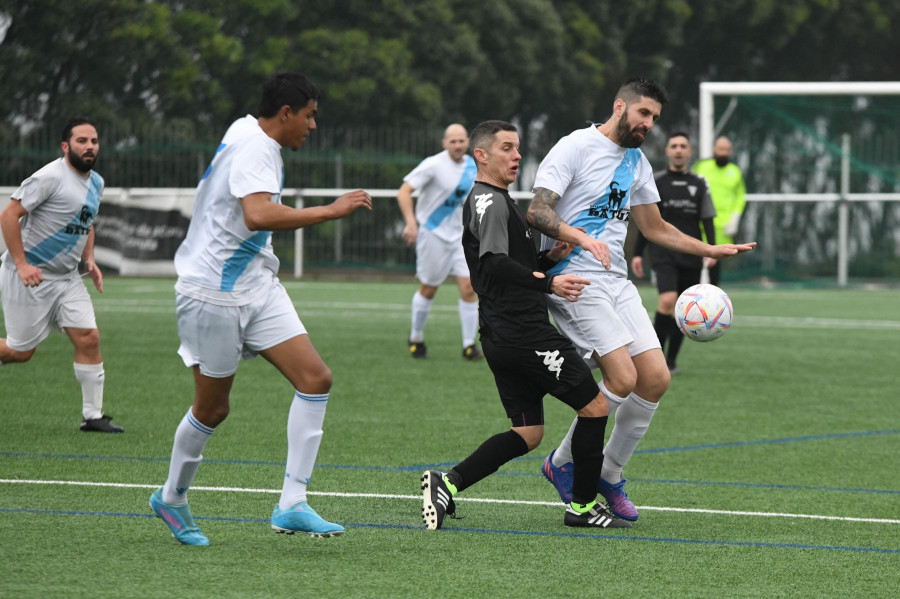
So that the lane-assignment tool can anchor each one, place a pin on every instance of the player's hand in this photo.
(568, 287)
(637, 266)
(598, 248)
(410, 233)
(726, 250)
(31, 275)
(352, 201)
(93, 271)
(560, 251)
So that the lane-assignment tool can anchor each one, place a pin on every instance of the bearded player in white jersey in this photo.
(230, 304)
(589, 186)
(48, 228)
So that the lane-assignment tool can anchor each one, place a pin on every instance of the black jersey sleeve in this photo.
(640, 244)
(710, 229)
(509, 271)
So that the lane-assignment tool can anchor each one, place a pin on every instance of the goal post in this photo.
(822, 164)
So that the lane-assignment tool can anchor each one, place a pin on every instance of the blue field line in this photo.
(566, 535)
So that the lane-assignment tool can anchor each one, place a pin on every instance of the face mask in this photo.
(722, 160)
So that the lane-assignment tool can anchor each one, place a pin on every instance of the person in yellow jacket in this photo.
(728, 191)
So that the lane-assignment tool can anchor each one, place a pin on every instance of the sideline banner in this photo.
(137, 231)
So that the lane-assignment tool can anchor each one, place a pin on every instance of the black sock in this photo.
(587, 457)
(660, 325)
(675, 340)
(485, 460)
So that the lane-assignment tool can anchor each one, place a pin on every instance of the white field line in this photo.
(461, 499)
(364, 310)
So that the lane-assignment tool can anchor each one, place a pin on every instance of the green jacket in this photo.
(728, 191)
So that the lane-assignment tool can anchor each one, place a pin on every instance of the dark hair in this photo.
(484, 132)
(633, 89)
(74, 122)
(286, 88)
(678, 134)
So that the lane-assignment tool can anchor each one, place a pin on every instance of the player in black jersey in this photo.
(686, 203)
(528, 356)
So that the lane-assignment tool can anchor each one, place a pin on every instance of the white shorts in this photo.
(215, 338)
(608, 315)
(30, 313)
(437, 259)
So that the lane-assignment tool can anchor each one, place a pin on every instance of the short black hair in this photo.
(678, 134)
(74, 122)
(286, 88)
(633, 89)
(484, 132)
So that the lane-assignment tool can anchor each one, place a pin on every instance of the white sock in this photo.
(187, 453)
(563, 453)
(468, 318)
(91, 378)
(421, 306)
(304, 431)
(632, 421)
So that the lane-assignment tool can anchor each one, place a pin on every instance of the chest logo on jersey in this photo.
(83, 224)
(482, 201)
(610, 207)
(552, 361)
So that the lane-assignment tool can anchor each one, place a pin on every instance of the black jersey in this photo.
(508, 314)
(685, 202)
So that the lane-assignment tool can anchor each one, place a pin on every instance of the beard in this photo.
(722, 160)
(79, 163)
(627, 136)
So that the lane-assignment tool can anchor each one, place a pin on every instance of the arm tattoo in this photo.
(541, 214)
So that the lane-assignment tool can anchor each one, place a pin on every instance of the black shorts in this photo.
(525, 375)
(670, 277)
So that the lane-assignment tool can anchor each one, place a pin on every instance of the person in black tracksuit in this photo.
(686, 203)
(528, 356)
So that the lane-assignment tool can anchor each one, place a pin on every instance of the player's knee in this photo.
(319, 381)
(653, 387)
(532, 438)
(598, 408)
(88, 341)
(621, 384)
(12, 356)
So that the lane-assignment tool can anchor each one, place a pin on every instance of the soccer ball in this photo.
(703, 312)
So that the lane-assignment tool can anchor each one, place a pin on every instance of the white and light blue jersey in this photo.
(443, 186)
(598, 182)
(61, 204)
(220, 260)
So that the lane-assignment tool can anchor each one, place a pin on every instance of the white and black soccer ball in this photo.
(703, 312)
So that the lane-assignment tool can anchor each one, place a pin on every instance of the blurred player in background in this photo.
(528, 356)
(684, 202)
(230, 304)
(435, 227)
(728, 191)
(48, 228)
(596, 180)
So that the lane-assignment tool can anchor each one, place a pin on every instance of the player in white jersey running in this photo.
(48, 228)
(230, 304)
(435, 227)
(588, 187)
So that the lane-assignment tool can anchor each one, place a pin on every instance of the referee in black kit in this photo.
(527, 355)
(686, 202)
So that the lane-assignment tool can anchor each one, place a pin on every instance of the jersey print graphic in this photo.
(482, 201)
(612, 205)
(552, 361)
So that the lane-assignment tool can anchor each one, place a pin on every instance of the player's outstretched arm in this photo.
(654, 228)
(31, 276)
(261, 214)
(542, 216)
